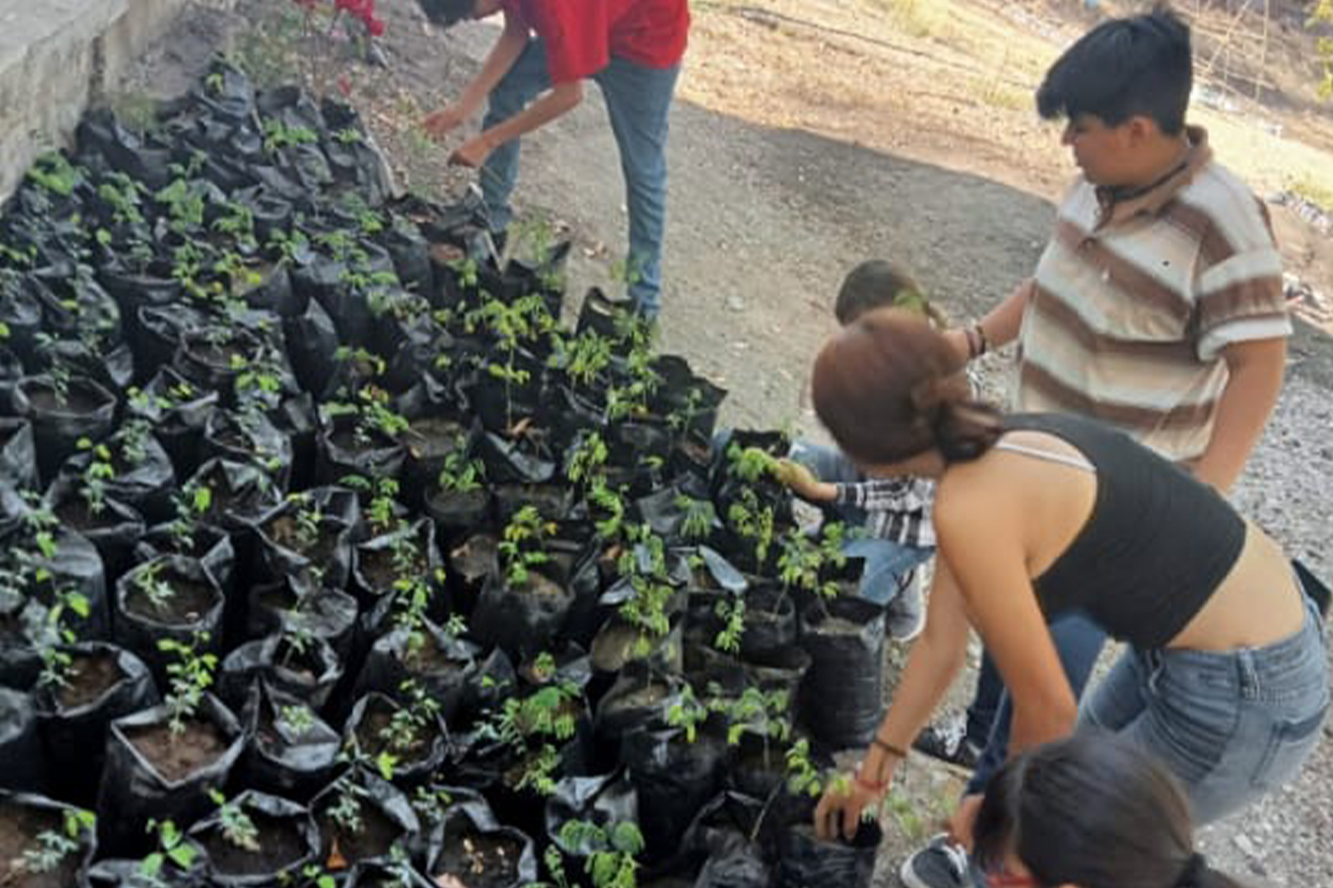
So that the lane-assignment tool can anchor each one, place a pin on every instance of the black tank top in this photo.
(1157, 544)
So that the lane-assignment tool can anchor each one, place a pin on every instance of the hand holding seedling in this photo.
(844, 804)
(803, 482)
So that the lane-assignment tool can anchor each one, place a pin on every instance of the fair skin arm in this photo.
(977, 533)
(936, 658)
(983, 576)
(1256, 370)
(1001, 324)
(560, 99)
(501, 58)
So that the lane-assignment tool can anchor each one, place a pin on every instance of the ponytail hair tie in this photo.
(1193, 872)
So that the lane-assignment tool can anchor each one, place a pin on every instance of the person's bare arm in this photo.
(503, 55)
(1255, 378)
(1001, 324)
(560, 99)
(989, 561)
(936, 658)
(513, 40)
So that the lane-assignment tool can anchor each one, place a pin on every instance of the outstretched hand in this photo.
(440, 124)
(472, 153)
(803, 482)
(841, 808)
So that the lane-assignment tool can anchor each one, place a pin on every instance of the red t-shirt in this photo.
(582, 35)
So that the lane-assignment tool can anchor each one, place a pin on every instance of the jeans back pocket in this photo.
(1289, 745)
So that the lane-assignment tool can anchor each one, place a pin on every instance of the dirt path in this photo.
(765, 218)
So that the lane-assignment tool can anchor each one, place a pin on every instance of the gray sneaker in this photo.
(941, 864)
(905, 615)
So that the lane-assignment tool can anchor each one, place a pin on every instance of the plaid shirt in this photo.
(897, 509)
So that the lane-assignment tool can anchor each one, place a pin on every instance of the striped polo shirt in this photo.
(1134, 301)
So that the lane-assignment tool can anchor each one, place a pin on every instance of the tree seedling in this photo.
(56, 662)
(54, 845)
(172, 851)
(586, 357)
(346, 809)
(750, 464)
(531, 725)
(802, 563)
(296, 719)
(191, 505)
(755, 711)
(412, 720)
(688, 714)
(700, 515)
(609, 852)
(732, 613)
(94, 478)
(587, 459)
(520, 549)
(753, 521)
(459, 473)
(236, 825)
(189, 676)
(803, 778)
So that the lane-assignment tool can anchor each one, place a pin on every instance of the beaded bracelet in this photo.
(875, 786)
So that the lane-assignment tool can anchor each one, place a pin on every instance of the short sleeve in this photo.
(1239, 295)
(577, 34)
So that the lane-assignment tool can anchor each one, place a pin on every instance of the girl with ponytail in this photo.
(1225, 679)
(1091, 811)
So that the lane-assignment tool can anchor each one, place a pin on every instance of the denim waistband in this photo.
(1299, 659)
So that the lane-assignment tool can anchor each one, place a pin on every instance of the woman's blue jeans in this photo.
(1231, 726)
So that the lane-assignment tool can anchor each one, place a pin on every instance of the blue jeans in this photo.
(886, 562)
(1079, 643)
(637, 101)
(1231, 726)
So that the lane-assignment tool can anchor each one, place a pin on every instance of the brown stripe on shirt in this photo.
(1199, 225)
(1129, 279)
(1060, 314)
(1183, 417)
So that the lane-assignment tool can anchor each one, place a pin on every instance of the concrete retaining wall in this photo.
(57, 56)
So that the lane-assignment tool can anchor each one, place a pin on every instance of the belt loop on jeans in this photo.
(1247, 674)
(1152, 666)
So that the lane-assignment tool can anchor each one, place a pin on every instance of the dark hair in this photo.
(1129, 67)
(889, 387)
(877, 284)
(1094, 811)
(447, 12)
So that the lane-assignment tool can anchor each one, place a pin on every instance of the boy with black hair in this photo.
(889, 517)
(1157, 308)
(535, 73)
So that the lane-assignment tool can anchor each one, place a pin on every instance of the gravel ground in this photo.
(764, 222)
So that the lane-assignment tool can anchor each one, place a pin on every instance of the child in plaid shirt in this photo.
(891, 515)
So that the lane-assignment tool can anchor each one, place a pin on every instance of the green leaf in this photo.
(626, 838)
(183, 856)
(151, 866)
(79, 604)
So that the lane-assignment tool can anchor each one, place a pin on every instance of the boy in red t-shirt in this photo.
(632, 48)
